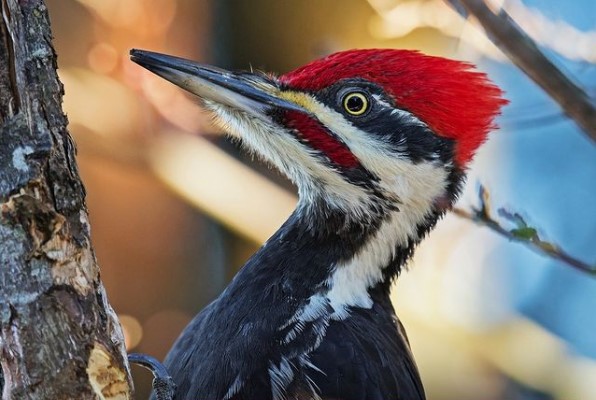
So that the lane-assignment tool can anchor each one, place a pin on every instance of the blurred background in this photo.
(176, 208)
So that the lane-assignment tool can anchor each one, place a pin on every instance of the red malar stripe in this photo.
(319, 138)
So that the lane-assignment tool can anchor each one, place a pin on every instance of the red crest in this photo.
(450, 96)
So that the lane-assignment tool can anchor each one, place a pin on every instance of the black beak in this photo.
(252, 93)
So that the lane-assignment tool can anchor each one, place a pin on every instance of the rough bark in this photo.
(59, 337)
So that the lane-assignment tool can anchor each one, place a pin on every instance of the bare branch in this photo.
(504, 32)
(522, 233)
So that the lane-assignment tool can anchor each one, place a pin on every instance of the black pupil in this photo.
(355, 103)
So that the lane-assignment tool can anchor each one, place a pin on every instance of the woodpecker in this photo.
(377, 142)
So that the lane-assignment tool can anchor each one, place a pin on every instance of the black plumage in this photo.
(228, 349)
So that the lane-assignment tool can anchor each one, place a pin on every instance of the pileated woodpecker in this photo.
(377, 143)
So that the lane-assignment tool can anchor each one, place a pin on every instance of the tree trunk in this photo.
(59, 337)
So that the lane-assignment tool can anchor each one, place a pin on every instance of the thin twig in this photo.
(504, 32)
(522, 233)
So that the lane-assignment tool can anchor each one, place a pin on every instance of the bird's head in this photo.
(360, 131)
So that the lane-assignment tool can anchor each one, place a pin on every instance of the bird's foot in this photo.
(164, 387)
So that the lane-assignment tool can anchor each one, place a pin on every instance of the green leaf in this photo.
(525, 233)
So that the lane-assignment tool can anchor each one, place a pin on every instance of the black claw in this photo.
(164, 387)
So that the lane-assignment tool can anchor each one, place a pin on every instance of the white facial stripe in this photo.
(263, 139)
(298, 162)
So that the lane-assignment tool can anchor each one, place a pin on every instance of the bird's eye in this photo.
(355, 103)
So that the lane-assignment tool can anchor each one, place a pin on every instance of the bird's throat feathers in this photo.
(342, 262)
(393, 228)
